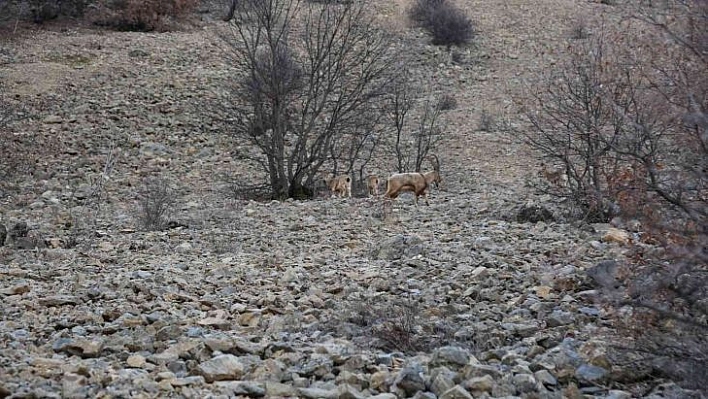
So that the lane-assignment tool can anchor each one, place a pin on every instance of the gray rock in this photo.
(424, 395)
(450, 356)
(588, 373)
(442, 381)
(545, 377)
(59, 300)
(480, 370)
(74, 386)
(347, 391)
(317, 365)
(222, 367)
(398, 247)
(318, 393)
(617, 394)
(410, 380)
(562, 360)
(484, 383)
(604, 274)
(277, 389)
(185, 381)
(524, 383)
(354, 379)
(559, 318)
(84, 348)
(456, 392)
(168, 333)
(252, 389)
(154, 148)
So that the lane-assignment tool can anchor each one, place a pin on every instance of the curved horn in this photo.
(436, 162)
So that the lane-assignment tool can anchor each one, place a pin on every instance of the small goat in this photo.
(372, 183)
(340, 185)
(434, 177)
(418, 183)
(553, 175)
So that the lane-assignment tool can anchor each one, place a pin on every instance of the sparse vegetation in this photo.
(347, 296)
(413, 144)
(447, 102)
(486, 121)
(630, 129)
(131, 15)
(156, 201)
(141, 15)
(40, 11)
(448, 25)
(16, 151)
(579, 30)
(294, 102)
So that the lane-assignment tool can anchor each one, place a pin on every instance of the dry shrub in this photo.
(447, 24)
(447, 102)
(629, 125)
(156, 201)
(40, 11)
(399, 325)
(486, 121)
(142, 15)
(17, 152)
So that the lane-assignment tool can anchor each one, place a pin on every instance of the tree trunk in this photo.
(232, 10)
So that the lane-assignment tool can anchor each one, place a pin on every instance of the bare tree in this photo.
(400, 103)
(629, 125)
(412, 145)
(309, 74)
(232, 10)
(576, 113)
(355, 149)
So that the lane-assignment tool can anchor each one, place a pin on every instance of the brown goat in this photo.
(402, 182)
(340, 185)
(372, 184)
(418, 183)
(553, 175)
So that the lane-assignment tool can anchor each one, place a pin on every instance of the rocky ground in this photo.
(330, 298)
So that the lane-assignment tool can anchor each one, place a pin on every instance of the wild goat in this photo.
(340, 185)
(418, 183)
(372, 183)
(553, 175)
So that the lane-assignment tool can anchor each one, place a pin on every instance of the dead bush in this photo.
(448, 25)
(579, 30)
(40, 11)
(156, 201)
(486, 121)
(401, 325)
(16, 151)
(141, 15)
(447, 102)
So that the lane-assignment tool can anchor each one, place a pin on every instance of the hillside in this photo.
(329, 298)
